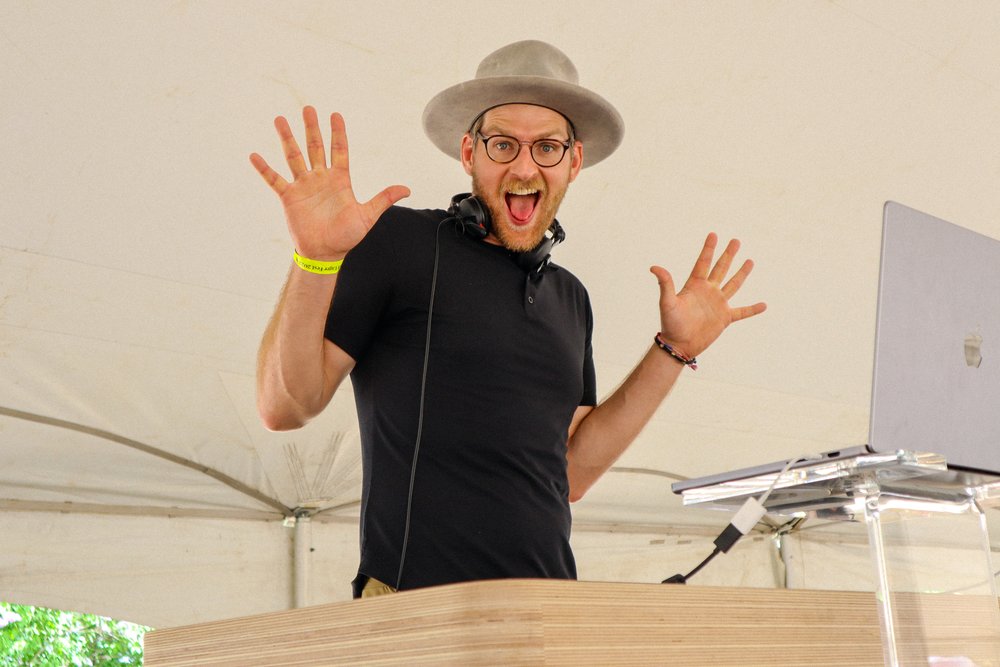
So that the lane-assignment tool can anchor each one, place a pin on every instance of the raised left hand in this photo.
(690, 320)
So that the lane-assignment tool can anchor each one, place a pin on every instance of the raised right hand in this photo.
(325, 219)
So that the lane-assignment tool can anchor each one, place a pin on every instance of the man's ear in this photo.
(576, 164)
(468, 146)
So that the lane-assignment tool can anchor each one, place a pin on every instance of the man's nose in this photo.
(523, 166)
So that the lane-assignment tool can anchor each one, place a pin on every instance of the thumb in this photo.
(668, 295)
(383, 200)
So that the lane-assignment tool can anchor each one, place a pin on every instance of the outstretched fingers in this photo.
(733, 286)
(293, 156)
(734, 283)
(271, 177)
(338, 143)
(314, 139)
(721, 268)
(743, 312)
(704, 261)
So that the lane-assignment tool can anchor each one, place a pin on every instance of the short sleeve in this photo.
(589, 396)
(363, 289)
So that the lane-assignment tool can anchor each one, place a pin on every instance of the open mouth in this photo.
(521, 203)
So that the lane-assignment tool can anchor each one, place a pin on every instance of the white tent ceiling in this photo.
(140, 255)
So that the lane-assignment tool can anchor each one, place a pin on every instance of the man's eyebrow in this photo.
(489, 130)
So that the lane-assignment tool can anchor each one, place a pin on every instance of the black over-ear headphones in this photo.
(474, 219)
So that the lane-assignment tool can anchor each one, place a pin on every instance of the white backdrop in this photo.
(140, 257)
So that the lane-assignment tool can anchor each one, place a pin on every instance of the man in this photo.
(470, 358)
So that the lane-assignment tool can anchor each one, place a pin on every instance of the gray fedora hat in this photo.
(528, 72)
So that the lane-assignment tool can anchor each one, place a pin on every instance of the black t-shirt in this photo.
(510, 361)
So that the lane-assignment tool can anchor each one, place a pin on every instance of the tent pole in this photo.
(790, 552)
(302, 538)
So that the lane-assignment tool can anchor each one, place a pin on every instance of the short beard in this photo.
(497, 206)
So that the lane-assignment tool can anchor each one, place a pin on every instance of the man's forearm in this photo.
(292, 382)
(607, 431)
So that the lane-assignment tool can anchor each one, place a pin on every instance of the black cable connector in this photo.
(744, 521)
(727, 538)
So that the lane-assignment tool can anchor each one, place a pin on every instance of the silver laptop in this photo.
(936, 377)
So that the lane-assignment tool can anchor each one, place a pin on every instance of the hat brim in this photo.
(448, 116)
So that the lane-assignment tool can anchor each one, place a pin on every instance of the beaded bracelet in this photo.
(691, 362)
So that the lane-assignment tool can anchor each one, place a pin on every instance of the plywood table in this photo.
(528, 622)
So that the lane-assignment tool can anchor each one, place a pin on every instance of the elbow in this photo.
(578, 488)
(274, 418)
(275, 423)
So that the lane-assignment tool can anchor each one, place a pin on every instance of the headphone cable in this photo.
(423, 392)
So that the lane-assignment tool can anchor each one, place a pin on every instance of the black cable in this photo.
(746, 518)
(682, 578)
(420, 416)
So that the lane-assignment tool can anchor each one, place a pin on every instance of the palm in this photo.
(694, 317)
(699, 316)
(324, 217)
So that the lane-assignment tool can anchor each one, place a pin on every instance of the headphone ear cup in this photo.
(533, 261)
(474, 216)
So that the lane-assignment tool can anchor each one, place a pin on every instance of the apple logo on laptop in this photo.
(973, 350)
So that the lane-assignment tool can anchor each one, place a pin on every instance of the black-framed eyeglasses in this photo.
(504, 149)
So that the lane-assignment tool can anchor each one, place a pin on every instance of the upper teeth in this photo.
(520, 190)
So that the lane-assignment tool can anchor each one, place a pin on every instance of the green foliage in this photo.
(38, 637)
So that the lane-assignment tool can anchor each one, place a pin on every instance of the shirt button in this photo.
(531, 299)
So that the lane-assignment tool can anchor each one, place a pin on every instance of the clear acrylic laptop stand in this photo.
(918, 515)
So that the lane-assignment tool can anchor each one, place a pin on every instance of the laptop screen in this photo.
(936, 377)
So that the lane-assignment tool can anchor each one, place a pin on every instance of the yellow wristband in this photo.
(315, 265)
